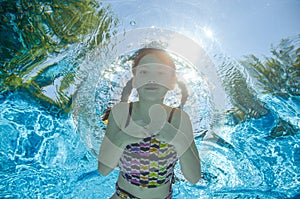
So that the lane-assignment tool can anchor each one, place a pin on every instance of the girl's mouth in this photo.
(151, 87)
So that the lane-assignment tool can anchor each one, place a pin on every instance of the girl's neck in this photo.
(145, 105)
(141, 110)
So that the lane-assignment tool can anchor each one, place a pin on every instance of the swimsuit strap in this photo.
(171, 115)
(129, 114)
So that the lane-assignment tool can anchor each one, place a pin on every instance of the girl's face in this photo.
(153, 78)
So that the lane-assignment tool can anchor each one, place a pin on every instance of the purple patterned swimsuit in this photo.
(149, 163)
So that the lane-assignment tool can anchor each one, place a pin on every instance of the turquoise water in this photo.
(55, 87)
(42, 156)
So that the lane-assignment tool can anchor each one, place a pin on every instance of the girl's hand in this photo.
(139, 129)
(158, 116)
(133, 133)
(167, 133)
(127, 139)
(136, 129)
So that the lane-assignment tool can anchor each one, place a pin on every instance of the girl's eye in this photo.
(143, 72)
(161, 72)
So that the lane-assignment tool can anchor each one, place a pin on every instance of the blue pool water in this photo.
(42, 156)
(48, 148)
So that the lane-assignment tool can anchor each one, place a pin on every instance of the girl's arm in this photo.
(110, 149)
(190, 164)
(189, 159)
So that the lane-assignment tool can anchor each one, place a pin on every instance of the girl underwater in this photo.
(145, 139)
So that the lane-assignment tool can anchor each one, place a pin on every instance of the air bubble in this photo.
(133, 23)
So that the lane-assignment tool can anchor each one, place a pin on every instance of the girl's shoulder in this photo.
(179, 116)
(178, 111)
(119, 111)
(119, 108)
(121, 105)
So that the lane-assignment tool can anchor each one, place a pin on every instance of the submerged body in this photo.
(147, 164)
(146, 138)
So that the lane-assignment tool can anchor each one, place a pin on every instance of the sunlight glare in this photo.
(208, 32)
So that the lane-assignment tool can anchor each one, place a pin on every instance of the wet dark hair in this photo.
(159, 53)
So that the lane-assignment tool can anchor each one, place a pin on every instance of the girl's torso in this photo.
(148, 164)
